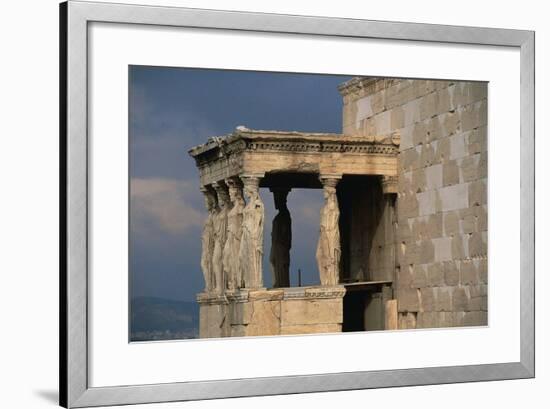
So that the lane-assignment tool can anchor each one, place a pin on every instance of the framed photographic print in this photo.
(259, 204)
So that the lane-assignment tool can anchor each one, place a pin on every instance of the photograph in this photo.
(275, 203)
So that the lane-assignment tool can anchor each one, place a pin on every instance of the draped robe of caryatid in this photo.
(328, 247)
(281, 241)
(208, 241)
(251, 247)
(231, 266)
(220, 235)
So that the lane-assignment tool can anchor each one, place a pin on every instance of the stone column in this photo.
(251, 246)
(231, 267)
(220, 235)
(281, 240)
(328, 248)
(208, 237)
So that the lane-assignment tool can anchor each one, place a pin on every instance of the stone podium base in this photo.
(278, 311)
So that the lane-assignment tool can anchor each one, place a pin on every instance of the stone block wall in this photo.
(441, 230)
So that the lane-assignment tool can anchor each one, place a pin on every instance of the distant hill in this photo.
(154, 318)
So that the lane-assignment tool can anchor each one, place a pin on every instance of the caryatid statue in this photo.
(328, 248)
(281, 240)
(220, 235)
(208, 238)
(231, 268)
(251, 248)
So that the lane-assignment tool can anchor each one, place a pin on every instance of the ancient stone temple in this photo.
(402, 232)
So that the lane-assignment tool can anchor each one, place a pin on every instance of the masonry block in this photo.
(406, 137)
(468, 224)
(426, 227)
(383, 123)
(408, 300)
(460, 246)
(483, 270)
(427, 299)
(477, 140)
(450, 223)
(378, 101)
(317, 312)
(480, 214)
(471, 169)
(397, 118)
(407, 320)
(409, 206)
(451, 173)
(443, 299)
(436, 275)
(454, 197)
(419, 276)
(473, 116)
(468, 273)
(451, 273)
(477, 244)
(427, 202)
(477, 193)
(418, 182)
(442, 248)
(433, 177)
(426, 252)
(405, 277)
(475, 318)
(428, 155)
(427, 319)
(450, 122)
(428, 105)
(443, 150)
(412, 112)
(460, 299)
(408, 159)
(458, 146)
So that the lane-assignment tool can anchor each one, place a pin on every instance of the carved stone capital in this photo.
(389, 184)
(330, 180)
(222, 192)
(233, 182)
(210, 197)
(235, 186)
(251, 180)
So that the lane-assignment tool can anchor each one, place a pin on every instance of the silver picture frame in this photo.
(75, 16)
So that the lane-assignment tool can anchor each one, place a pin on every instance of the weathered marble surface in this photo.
(247, 151)
(220, 236)
(304, 310)
(251, 246)
(442, 212)
(208, 238)
(328, 247)
(231, 264)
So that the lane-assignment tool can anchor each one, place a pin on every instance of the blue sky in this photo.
(173, 109)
